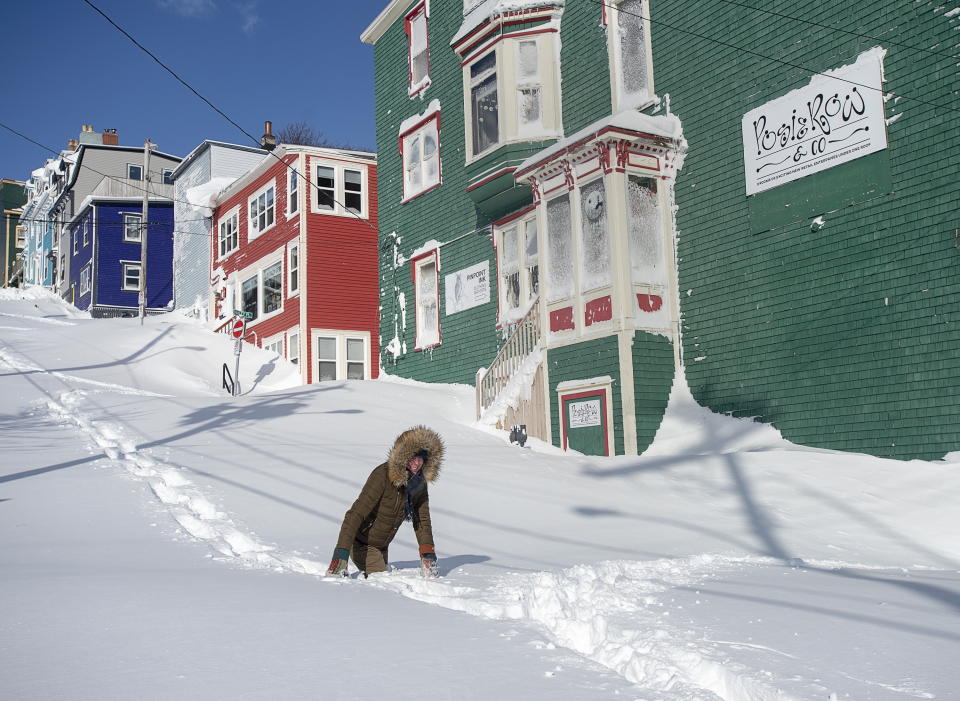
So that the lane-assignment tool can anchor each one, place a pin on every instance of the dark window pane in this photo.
(354, 371)
(248, 293)
(486, 131)
(327, 370)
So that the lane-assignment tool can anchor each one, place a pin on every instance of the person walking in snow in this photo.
(396, 491)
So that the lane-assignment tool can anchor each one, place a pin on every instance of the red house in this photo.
(295, 246)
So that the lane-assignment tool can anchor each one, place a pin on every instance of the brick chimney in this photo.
(268, 141)
(110, 137)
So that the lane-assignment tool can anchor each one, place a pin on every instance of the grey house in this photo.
(101, 168)
(208, 169)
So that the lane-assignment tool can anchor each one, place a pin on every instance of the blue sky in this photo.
(282, 60)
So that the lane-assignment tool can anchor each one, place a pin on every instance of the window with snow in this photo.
(560, 249)
(510, 270)
(293, 345)
(418, 49)
(421, 158)
(531, 258)
(130, 277)
(274, 345)
(484, 104)
(263, 210)
(227, 238)
(131, 227)
(529, 88)
(427, 290)
(595, 236)
(646, 246)
(628, 54)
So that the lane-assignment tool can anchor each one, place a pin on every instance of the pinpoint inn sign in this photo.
(836, 118)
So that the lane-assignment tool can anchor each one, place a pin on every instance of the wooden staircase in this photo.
(520, 353)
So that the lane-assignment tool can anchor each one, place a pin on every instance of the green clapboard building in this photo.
(577, 198)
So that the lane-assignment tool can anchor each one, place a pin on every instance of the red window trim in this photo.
(420, 8)
(564, 416)
(434, 116)
(435, 253)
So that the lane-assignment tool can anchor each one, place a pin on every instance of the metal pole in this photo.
(143, 230)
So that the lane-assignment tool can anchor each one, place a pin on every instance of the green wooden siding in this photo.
(583, 361)
(652, 379)
(585, 76)
(845, 337)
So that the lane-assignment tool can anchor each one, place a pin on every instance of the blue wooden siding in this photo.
(83, 256)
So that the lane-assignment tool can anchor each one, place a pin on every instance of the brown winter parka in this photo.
(377, 513)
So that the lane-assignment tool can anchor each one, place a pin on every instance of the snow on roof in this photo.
(203, 198)
(415, 119)
(488, 9)
(667, 126)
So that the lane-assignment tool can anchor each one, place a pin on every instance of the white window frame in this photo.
(269, 210)
(293, 345)
(124, 275)
(509, 86)
(293, 268)
(85, 278)
(256, 271)
(293, 191)
(274, 343)
(166, 176)
(620, 101)
(130, 167)
(418, 135)
(341, 361)
(75, 234)
(422, 340)
(421, 12)
(525, 270)
(132, 220)
(228, 220)
(339, 208)
(21, 236)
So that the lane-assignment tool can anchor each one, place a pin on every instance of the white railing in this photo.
(524, 339)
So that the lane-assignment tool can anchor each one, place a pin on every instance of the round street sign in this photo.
(236, 328)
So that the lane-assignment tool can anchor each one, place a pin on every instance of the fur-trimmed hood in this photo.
(408, 444)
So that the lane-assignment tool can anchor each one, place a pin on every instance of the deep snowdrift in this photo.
(724, 563)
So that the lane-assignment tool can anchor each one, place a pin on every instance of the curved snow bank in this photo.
(691, 429)
(613, 614)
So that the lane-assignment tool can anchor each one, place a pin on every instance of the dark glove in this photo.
(428, 561)
(338, 565)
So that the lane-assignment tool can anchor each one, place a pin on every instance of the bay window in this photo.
(560, 249)
(595, 236)
(643, 221)
(529, 88)
(484, 105)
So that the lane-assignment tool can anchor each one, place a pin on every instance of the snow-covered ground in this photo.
(160, 540)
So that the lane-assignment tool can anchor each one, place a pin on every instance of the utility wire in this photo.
(221, 112)
(804, 20)
(605, 3)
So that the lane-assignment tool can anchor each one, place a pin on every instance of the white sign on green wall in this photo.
(836, 118)
(467, 288)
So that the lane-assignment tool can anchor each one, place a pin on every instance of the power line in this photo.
(221, 112)
(838, 29)
(605, 3)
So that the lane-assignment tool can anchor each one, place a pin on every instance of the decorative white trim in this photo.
(339, 207)
(340, 336)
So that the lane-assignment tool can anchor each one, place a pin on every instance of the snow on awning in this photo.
(664, 126)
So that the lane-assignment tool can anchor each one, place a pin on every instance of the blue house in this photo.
(104, 241)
